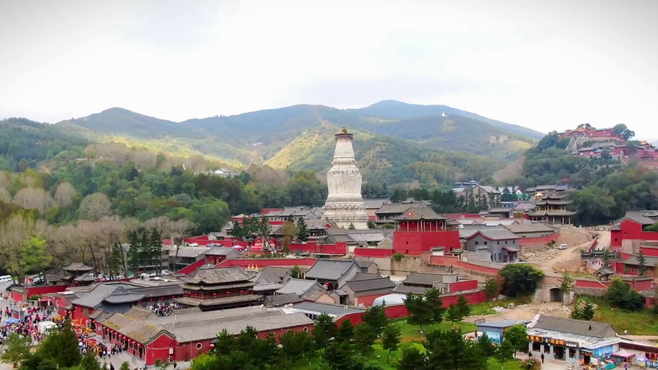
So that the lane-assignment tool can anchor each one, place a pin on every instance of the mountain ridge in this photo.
(299, 137)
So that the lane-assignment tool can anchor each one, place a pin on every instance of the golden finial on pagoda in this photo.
(344, 130)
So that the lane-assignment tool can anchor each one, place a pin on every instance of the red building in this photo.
(633, 227)
(217, 288)
(420, 229)
(184, 336)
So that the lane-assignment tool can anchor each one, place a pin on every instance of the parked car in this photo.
(562, 247)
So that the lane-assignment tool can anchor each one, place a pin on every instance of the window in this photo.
(305, 330)
(485, 243)
(499, 256)
(199, 346)
(536, 346)
(505, 241)
(477, 243)
(572, 352)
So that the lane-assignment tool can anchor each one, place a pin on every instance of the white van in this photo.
(5, 278)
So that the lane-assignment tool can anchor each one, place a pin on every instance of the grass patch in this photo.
(486, 308)
(411, 333)
(637, 323)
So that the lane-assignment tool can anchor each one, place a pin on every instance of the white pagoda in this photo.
(344, 205)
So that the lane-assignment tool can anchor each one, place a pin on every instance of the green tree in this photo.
(583, 310)
(264, 231)
(492, 289)
(62, 347)
(463, 306)
(486, 346)
(454, 313)
(641, 264)
(375, 317)
(412, 359)
(296, 272)
(606, 257)
(364, 338)
(520, 279)
(504, 353)
(517, 335)
(391, 339)
(289, 346)
(338, 355)
(90, 362)
(17, 349)
(325, 329)
(116, 263)
(302, 233)
(351, 227)
(124, 366)
(372, 224)
(621, 295)
(566, 285)
(345, 331)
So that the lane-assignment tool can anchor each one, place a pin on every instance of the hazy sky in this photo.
(543, 64)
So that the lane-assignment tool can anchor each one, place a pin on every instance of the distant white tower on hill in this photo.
(344, 205)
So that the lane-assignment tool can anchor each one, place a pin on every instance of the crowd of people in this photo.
(27, 325)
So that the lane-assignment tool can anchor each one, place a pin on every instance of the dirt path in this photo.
(555, 261)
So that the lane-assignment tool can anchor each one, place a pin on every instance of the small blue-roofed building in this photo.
(495, 330)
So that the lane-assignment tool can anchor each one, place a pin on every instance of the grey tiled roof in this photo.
(577, 327)
(140, 313)
(193, 328)
(276, 274)
(330, 309)
(218, 276)
(95, 296)
(363, 263)
(420, 213)
(188, 252)
(267, 287)
(297, 286)
(529, 228)
(221, 251)
(75, 266)
(278, 300)
(496, 234)
(417, 278)
(396, 208)
(402, 289)
(378, 284)
(647, 217)
(329, 269)
(123, 298)
(375, 203)
(159, 291)
(140, 330)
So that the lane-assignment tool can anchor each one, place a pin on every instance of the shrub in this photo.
(621, 295)
(397, 257)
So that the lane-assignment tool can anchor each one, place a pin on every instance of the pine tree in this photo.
(641, 264)
(375, 316)
(364, 338)
(302, 230)
(588, 311)
(351, 227)
(116, 262)
(463, 306)
(90, 362)
(454, 313)
(345, 331)
(486, 346)
(391, 339)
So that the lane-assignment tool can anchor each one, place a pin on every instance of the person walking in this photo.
(542, 358)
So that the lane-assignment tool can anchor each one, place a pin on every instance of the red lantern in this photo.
(214, 294)
(242, 291)
(162, 298)
(172, 297)
(150, 299)
(228, 292)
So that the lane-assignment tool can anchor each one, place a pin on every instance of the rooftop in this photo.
(221, 251)
(315, 308)
(329, 269)
(529, 228)
(571, 326)
(218, 276)
(502, 323)
(382, 284)
(188, 252)
(298, 286)
(495, 234)
(417, 278)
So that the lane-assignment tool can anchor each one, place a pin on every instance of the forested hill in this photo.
(399, 110)
(277, 136)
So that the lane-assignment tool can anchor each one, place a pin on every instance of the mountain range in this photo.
(389, 135)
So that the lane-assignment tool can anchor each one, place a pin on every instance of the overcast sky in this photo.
(542, 64)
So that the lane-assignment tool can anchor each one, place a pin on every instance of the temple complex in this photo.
(344, 205)
(551, 209)
(219, 288)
